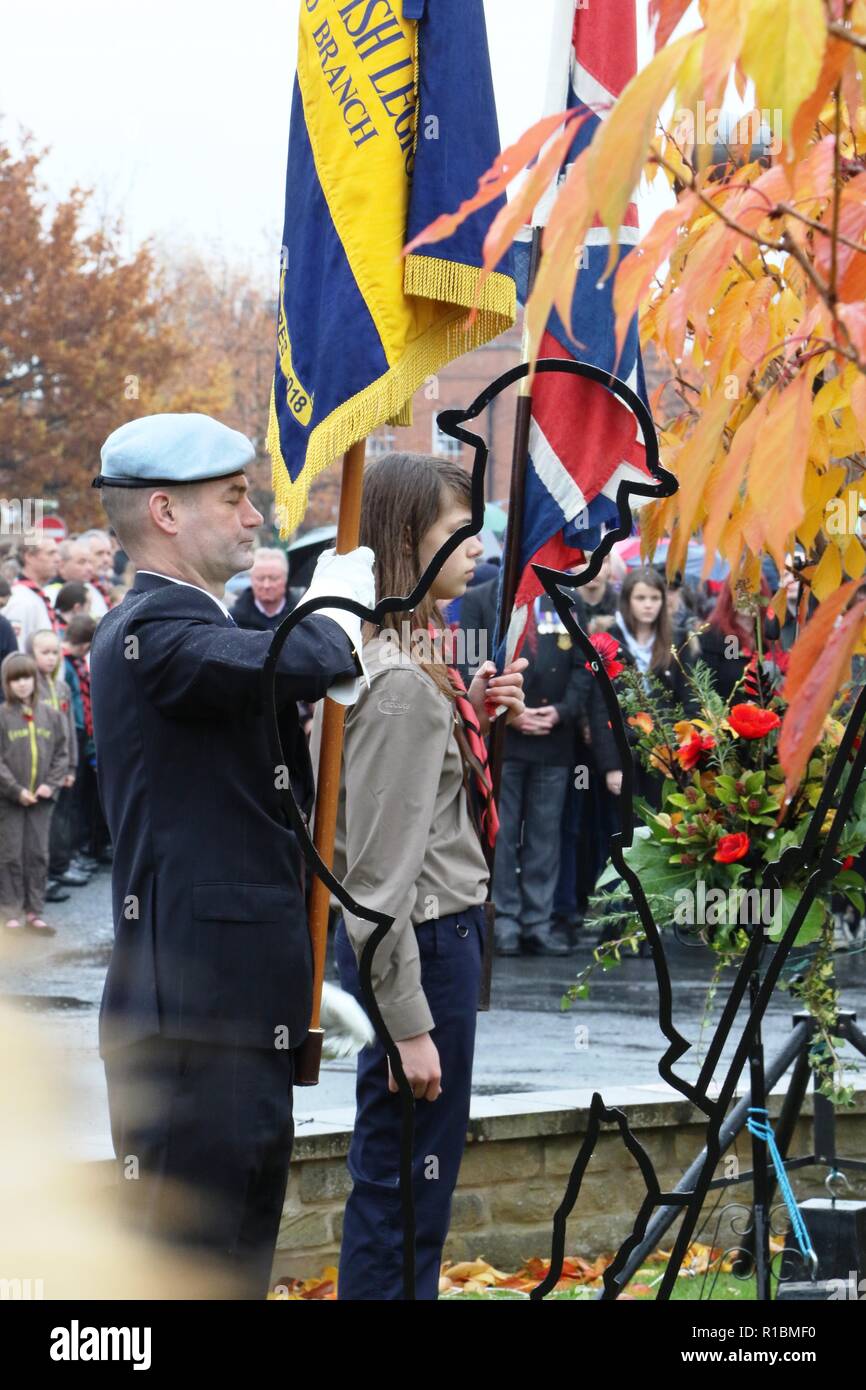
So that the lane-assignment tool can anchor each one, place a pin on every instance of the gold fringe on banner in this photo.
(390, 398)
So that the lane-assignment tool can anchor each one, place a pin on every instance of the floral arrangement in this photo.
(703, 857)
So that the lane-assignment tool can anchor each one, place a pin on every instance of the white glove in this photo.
(345, 576)
(347, 1027)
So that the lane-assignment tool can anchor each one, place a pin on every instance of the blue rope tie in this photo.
(761, 1129)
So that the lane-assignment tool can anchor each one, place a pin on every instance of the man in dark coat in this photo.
(589, 814)
(538, 762)
(209, 984)
(8, 640)
(267, 601)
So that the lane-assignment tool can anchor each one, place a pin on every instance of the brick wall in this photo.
(519, 1154)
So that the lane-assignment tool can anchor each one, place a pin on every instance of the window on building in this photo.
(444, 445)
(380, 442)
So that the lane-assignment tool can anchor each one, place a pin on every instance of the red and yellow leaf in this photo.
(635, 273)
(819, 665)
(783, 52)
(836, 55)
(694, 462)
(806, 651)
(619, 150)
(502, 172)
(781, 453)
(666, 15)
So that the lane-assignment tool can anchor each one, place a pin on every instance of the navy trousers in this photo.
(371, 1257)
(203, 1137)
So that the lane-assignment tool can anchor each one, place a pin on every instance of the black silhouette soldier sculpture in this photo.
(721, 1128)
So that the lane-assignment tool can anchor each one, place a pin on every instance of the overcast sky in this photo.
(177, 111)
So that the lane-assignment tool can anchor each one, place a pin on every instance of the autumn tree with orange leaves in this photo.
(79, 346)
(91, 338)
(751, 288)
(227, 322)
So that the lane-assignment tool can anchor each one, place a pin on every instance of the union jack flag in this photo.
(583, 441)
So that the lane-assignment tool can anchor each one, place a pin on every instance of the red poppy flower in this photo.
(731, 848)
(690, 753)
(750, 721)
(607, 648)
(848, 862)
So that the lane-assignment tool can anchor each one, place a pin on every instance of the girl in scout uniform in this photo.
(44, 646)
(415, 806)
(33, 764)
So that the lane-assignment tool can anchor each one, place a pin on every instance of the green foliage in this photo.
(724, 824)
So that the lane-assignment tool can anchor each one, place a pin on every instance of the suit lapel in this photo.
(187, 596)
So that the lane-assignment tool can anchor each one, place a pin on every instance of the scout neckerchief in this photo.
(27, 715)
(35, 589)
(102, 588)
(80, 666)
(473, 751)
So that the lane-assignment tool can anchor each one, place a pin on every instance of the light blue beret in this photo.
(172, 449)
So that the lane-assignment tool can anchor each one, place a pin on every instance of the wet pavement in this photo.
(525, 1043)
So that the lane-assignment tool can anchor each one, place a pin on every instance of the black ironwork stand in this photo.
(761, 1185)
(763, 1077)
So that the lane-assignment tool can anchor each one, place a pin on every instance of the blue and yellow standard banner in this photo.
(393, 122)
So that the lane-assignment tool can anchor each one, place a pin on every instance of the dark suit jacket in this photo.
(246, 614)
(552, 677)
(8, 643)
(211, 942)
(726, 669)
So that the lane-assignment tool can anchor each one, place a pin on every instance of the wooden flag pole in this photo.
(309, 1054)
(510, 580)
(511, 556)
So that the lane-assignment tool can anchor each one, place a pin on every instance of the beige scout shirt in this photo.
(405, 842)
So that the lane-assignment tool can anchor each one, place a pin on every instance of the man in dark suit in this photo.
(538, 762)
(8, 640)
(264, 605)
(209, 985)
(590, 813)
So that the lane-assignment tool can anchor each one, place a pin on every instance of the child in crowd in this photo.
(70, 600)
(44, 647)
(88, 835)
(33, 764)
(642, 626)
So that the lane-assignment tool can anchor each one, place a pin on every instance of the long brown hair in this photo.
(404, 495)
(728, 620)
(15, 665)
(663, 640)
